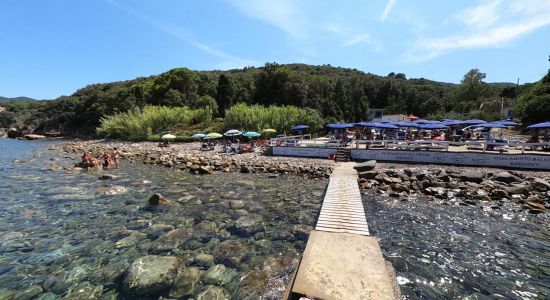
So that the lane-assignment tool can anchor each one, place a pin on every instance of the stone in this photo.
(249, 224)
(517, 189)
(369, 165)
(499, 194)
(28, 293)
(443, 176)
(47, 296)
(204, 260)
(106, 176)
(185, 283)
(534, 205)
(211, 293)
(540, 185)
(230, 252)
(112, 190)
(172, 239)
(156, 230)
(158, 199)
(236, 204)
(506, 177)
(435, 191)
(151, 274)
(245, 169)
(471, 176)
(219, 275)
(204, 170)
(399, 187)
(34, 136)
(253, 286)
(368, 174)
(14, 133)
(133, 239)
(272, 266)
(84, 290)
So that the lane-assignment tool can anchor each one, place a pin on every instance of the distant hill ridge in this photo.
(16, 99)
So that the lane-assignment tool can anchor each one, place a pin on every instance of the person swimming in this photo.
(115, 156)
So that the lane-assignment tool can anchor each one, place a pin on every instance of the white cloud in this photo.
(504, 22)
(283, 14)
(185, 35)
(348, 37)
(387, 9)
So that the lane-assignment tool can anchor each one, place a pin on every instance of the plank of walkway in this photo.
(343, 266)
(342, 209)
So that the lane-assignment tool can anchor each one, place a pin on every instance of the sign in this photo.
(517, 161)
(304, 151)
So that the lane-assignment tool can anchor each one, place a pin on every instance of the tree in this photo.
(471, 90)
(225, 93)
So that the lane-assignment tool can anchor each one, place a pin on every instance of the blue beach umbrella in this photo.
(366, 124)
(385, 126)
(473, 122)
(542, 125)
(251, 134)
(427, 122)
(507, 123)
(491, 125)
(432, 126)
(299, 127)
(406, 124)
(451, 122)
(338, 126)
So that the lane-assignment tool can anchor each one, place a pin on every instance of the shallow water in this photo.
(448, 251)
(59, 229)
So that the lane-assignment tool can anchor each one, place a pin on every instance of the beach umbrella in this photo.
(198, 136)
(168, 136)
(214, 135)
(412, 117)
(406, 124)
(269, 130)
(299, 127)
(366, 124)
(232, 132)
(473, 122)
(539, 125)
(251, 134)
(507, 123)
(451, 122)
(385, 126)
(432, 126)
(338, 126)
(491, 125)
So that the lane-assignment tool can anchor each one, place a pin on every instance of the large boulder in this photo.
(365, 166)
(149, 275)
(368, 174)
(34, 136)
(505, 177)
(517, 189)
(185, 283)
(14, 133)
(540, 185)
(471, 176)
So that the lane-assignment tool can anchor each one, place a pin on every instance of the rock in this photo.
(368, 174)
(505, 177)
(499, 194)
(84, 290)
(158, 199)
(540, 185)
(443, 176)
(54, 167)
(204, 260)
(156, 230)
(236, 204)
(272, 266)
(517, 189)
(172, 239)
(47, 296)
(29, 293)
(471, 176)
(219, 275)
(149, 275)
(133, 239)
(230, 252)
(250, 224)
(399, 187)
(111, 190)
(534, 205)
(245, 169)
(34, 136)
(383, 178)
(365, 166)
(211, 293)
(204, 170)
(107, 176)
(435, 191)
(253, 286)
(185, 283)
(14, 133)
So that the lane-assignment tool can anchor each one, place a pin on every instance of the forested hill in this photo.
(16, 99)
(339, 94)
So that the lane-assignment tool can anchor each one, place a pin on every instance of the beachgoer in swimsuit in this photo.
(106, 160)
(116, 156)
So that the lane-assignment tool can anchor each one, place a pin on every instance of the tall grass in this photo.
(282, 118)
(139, 124)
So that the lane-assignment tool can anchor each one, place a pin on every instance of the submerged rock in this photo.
(249, 224)
(84, 290)
(253, 286)
(172, 240)
(230, 252)
(151, 274)
(211, 293)
(112, 190)
(158, 199)
(185, 283)
(219, 275)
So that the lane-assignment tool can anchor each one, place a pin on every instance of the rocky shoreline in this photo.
(188, 157)
(465, 186)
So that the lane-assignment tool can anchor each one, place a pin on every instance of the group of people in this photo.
(106, 160)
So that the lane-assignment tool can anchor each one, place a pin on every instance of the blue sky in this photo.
(53, 47)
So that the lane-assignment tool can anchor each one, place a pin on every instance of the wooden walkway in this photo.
(342, 209)
(341, 259)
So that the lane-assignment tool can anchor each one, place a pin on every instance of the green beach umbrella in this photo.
(214, 135)
(168, 136)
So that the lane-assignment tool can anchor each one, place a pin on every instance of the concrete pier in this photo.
(341, 259)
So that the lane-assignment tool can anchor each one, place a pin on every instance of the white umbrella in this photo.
(168, 136)
(232, 132)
